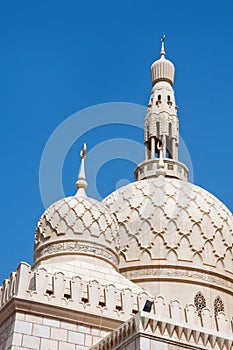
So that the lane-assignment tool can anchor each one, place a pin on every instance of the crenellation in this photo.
(206, 319)
(147, 324)
(23, 277)
(93, 298)
(4, 291)
(191, 315)
(160, 244)
(176, 311)
(222, 324)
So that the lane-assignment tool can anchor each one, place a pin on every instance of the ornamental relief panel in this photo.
(195, 276)
(74, 246)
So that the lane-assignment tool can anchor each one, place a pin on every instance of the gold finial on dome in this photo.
(162, 52)
(81, 183)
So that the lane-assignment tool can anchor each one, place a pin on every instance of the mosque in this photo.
(148, 268)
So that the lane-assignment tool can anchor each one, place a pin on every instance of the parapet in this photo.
(147, 331)
(92, 303)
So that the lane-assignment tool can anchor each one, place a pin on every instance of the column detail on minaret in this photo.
(161, 127)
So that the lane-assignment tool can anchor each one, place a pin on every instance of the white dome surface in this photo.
(167, 222)
(77, 225)
(162, 70)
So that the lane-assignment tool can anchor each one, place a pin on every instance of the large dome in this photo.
(165, 222)
(76, 225)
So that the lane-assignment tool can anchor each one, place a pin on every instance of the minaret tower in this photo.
(161, 126)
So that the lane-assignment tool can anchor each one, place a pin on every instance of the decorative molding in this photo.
(60, 295)
(72, 298)
(74, 247)
(145, 325)
(158, 273)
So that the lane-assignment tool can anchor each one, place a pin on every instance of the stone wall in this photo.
(45, 311)
(58, 295)
(26, 331)
(6, 333)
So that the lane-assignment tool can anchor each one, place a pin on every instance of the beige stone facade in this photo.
(159, 239)
(29, 331)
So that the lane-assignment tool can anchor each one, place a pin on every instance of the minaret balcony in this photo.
(150, 168)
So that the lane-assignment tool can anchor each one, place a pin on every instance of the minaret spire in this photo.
(161, 137)
(162, 52)
(81, 183)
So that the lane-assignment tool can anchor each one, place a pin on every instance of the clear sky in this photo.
(58, 57)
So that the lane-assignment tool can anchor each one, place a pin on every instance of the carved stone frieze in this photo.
(75, 247)
(182, 274)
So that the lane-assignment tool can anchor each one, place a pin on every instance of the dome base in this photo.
(66, 250)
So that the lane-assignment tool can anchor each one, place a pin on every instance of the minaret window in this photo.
(199, 302)
(159, 100)
(218, 306)
(169, 102)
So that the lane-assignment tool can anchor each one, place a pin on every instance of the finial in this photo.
(162, 52)
(161, 166)
(83, 151)
(81, 183)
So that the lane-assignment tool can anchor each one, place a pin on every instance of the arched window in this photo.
(159, 97)
(199, 302)
(218, 306)
(169, 102)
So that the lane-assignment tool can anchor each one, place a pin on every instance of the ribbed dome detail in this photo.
(162, 70)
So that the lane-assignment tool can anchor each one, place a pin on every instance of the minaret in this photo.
(161, 127)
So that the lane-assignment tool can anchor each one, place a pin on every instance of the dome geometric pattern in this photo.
(170, 220)
(78, 219)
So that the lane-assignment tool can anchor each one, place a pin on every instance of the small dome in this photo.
(76, 225)
(162, 69)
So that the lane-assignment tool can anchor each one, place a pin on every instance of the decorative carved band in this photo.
(179, 336)
(178, 274)
(75, 247)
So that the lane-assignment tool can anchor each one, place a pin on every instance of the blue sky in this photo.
(58, 57)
